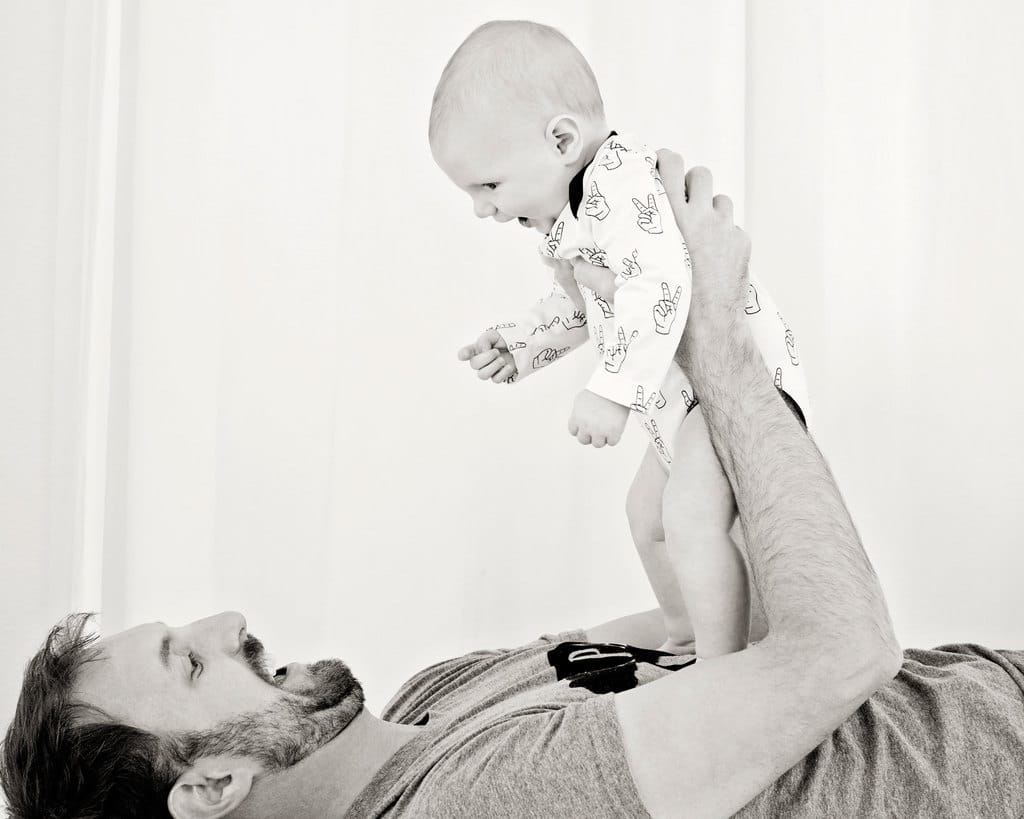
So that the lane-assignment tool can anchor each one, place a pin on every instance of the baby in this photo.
(518, 123)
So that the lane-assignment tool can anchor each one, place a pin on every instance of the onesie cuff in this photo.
(613, 387)
(515, 339)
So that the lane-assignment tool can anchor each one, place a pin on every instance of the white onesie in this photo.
(618, 217)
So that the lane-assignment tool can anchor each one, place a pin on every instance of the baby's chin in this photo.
(540, 225)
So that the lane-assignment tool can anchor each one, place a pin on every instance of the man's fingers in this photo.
(672, 171)
(584, 438)
(723, 204)
(699, 185)
(671, 168)
(467, 352)
(598, 442)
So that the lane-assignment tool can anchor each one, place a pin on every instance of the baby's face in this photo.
(510, 173)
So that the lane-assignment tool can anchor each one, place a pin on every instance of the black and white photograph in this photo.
(511, 409)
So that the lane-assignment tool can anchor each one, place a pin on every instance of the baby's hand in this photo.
(563, 274)
(490, 357)
(599, 279)
(596, 420)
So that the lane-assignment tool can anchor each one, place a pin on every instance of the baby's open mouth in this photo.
(524, 221)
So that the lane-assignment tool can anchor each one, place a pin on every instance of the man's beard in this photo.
(289, 730)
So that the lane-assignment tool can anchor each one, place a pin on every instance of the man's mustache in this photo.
(254, 654)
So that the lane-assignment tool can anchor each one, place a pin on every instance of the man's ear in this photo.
(563, 133)
(212, 787)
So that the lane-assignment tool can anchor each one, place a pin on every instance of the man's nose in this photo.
(224, 632)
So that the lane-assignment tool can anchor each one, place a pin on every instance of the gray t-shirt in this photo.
(532, 732)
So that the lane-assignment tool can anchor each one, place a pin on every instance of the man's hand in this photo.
(490, 357)
(596, 420)
(719, 251)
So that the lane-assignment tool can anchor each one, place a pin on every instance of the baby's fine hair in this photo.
(524, 66)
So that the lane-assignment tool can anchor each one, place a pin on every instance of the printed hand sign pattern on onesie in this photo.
(618, 218)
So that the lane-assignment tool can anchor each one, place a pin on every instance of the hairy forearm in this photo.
(809, 567)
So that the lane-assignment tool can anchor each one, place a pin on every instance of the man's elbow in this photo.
(860, 667)
(848, 668)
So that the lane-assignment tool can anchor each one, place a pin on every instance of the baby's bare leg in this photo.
(698, 512)
(643, 510)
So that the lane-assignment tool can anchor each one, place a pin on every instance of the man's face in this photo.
(509, 171)
(208, 681)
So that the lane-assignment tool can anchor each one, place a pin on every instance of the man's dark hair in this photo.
(63, 758)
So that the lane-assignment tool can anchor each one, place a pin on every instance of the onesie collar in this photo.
(576, 183)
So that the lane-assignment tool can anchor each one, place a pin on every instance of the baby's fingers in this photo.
(484, 359)
(492, 369)
(504, 374)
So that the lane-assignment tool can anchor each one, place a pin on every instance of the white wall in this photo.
(885, 199)
(290, 433)
(301, 442)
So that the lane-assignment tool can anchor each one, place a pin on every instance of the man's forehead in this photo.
(130, 636)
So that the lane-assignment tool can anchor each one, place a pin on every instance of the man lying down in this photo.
(824, 716)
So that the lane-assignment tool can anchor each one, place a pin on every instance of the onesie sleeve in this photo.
(631, 221)
(549, 330)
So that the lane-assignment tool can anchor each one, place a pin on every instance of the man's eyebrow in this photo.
(165, 651)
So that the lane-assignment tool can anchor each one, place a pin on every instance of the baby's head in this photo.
(516, 114)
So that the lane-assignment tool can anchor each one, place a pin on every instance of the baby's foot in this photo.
(672, 646)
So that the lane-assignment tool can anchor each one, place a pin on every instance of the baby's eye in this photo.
(490, 185)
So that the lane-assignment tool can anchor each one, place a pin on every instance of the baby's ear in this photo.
(563, 133)
(212, 787)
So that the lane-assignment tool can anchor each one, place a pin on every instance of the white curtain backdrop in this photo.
(232, 284)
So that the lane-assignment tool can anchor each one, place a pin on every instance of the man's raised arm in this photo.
(706, 740)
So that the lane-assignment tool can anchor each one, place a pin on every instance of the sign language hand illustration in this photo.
(612, 160)
(791, 348)
(658, 187)
(778, 378)
(790, 342)
(656, 399)
(554, 239)
(666, 308)
(631, 267)
(577, 319)
(606, 308)
(600, 339)
(690, 401)
(597, 205)
(547, 356)
(659, 443)
(594, 255)
(615, 356)
(543, 328)
(752, 304)
(648, 216)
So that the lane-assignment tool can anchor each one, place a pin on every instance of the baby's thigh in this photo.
(697, 496)
(643, 501)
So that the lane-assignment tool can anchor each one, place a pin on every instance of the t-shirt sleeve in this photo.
(632, 223)
(564, 762)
